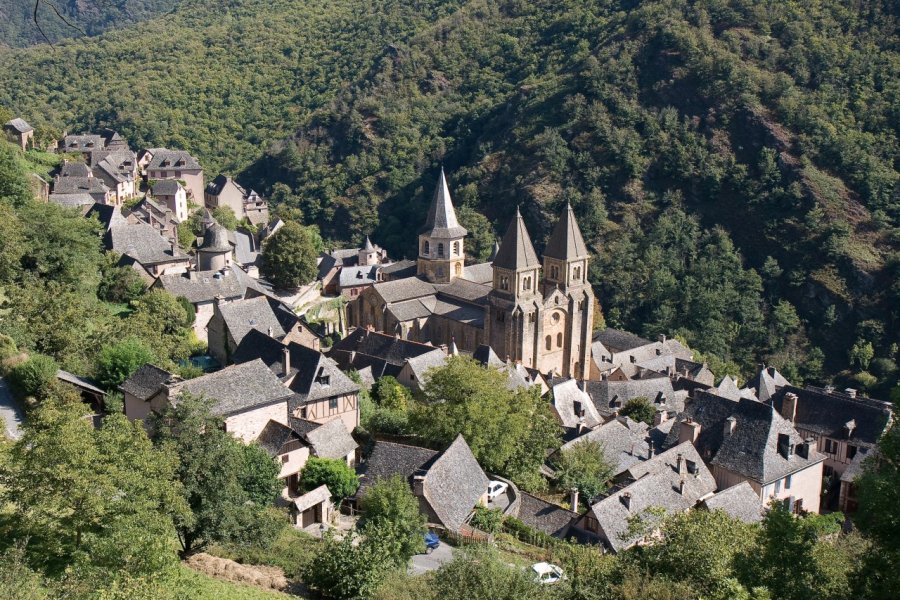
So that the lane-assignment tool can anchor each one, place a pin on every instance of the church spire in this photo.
(516, 251)
(441, 221)
(566, 242)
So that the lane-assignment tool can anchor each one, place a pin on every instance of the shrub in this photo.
(34, 376)
(335, 473)
(118, 361)
(488, 520)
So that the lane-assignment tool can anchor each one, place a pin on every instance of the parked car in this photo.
(432, 541)
(496, 489)
(545, 573)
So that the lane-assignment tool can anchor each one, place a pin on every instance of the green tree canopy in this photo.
(584, 466)
(639, 409)
(289, 256)
(341, 480)
(390, 501)
(118, 361)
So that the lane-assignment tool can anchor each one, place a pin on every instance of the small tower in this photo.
(441, 253)
(514, 301)
(368, 255)
(566, 255)
(215, 252)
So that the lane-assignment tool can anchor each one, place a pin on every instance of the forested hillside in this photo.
(60, 19)
(733, 163)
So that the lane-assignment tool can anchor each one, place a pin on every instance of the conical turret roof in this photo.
(516, 251)
(215, 239)
(566, 241)
(368, 247)
(441, 221)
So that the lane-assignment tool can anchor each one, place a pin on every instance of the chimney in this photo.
(829, 389)
(681, 487)
(803, 449)
(649, 450)
(271, 331)
(574, 499)
(659, 417)
(850, 392)
(679, 464)
(286, 360)
(662, 338)
(849, 427)
(688, 431)
(174, 247)
(625, 497)
(789, 406)
(784, 445)
(730, 424)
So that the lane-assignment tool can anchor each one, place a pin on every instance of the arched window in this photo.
(458, 269)
(549, 343)
(426, 248)
(559, 340)
(440, 250)
(504, 282)
(577, 274)
(554, 272)
(526, 283)
(456, 248)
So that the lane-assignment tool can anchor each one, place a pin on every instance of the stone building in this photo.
(19, 132)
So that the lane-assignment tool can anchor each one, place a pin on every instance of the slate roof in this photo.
(381, 346)
(516, 251)
(108, 215)
(331, 440)
(573, 406)
(388, 459)
(398, 290)
(399, 270)
(205, 286)
(738, 501)
(610, 396)
(163, 158)
(565, 241)
(767, 382)
(317, 376)
(728, 388)
(487, 357)
(74, 169)
(441, 220)
(462, 289)
(72, 200)
(215, 187)
(82, 143)
(274, 436)
(19, 125)
(215, 239)
(624, 442)
(826, 413)
(310, 499)
(354, 276)
(241, 316)
(118, 164)
(752, 449)
(237, 388)
(146, 381)
(616, 340)
(655, 483)
(79, 185)
(79, 382)
(421, 364)
(165, 187)
(143, 243)
(543, 516)
(482, 273)
(454, 483)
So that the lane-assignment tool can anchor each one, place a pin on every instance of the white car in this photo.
(496, 489)
(545, 573)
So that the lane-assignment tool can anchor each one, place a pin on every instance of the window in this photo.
(798, 506)
(501, 317)
(284, 458)
(576, 274)
(831, 447)
(777, 487)
(526, 283)
(441, 250)
(332, 403)
(458, 269)
(559, 340)
(787, 482)
(426, 248)
(456, 248)
(554, 272)
(851, 452)
(532, 317)
(548, 342)
(504, 282)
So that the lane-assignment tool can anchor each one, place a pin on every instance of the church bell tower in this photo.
(441, 254)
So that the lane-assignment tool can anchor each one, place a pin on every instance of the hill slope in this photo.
(732, 163)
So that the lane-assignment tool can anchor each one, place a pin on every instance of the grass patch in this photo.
(118, 309)
(290, 549)
(191, 585)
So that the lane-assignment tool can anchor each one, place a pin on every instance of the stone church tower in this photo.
(441, 253)
(547, 325)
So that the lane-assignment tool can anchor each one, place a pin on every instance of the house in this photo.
(202, 288)
(366, 264)
(694, 371)
(231, 321)
(19, 132)
(312, 508)
(117, 169)
(415, 370)
(671, 482)
(842, 425)
(766, 383)
(739, 502)
(573, 407)
(448, 484)
(142, 243)
(614, 348)
(353, 280)
(175, 164)
(158, 216)
(77, 200)
(146, 391)
(216, 252)
(90, 185)
(224, 191)
(84, 144)
(383, 354)
(544, 516)
(609, 396)
(746, 440)
(173, 196)
(623, 442)
(322, 392)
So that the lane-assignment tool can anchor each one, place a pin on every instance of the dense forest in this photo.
(27, 22)
(732, 163)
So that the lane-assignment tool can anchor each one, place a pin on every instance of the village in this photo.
(288, 370)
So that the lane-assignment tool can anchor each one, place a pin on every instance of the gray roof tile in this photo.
(516, 251)
(441, 220)
(237, 388)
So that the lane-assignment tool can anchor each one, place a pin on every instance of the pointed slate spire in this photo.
(494, 252)
(516, 251)
(369, 247)
(441, 221)
(566, 241)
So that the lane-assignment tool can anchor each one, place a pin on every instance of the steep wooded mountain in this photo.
(75, 18)
(732, 163)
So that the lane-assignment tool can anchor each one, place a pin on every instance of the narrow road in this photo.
(10, 412)
(423, 563)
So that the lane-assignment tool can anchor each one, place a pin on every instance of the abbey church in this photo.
(537, 314)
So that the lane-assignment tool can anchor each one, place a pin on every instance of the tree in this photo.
(353, 567)
(13, 182)
(508, 431)
(259, 475)
(335, 473)
(119, 284)
(35, 376)
(391, 394)
(639, 409)
(118, 361)
(225, 217)
(583, 466)
(211, 471)
(861, 354)
(390, 500)
(478, 573)
(289, 256)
